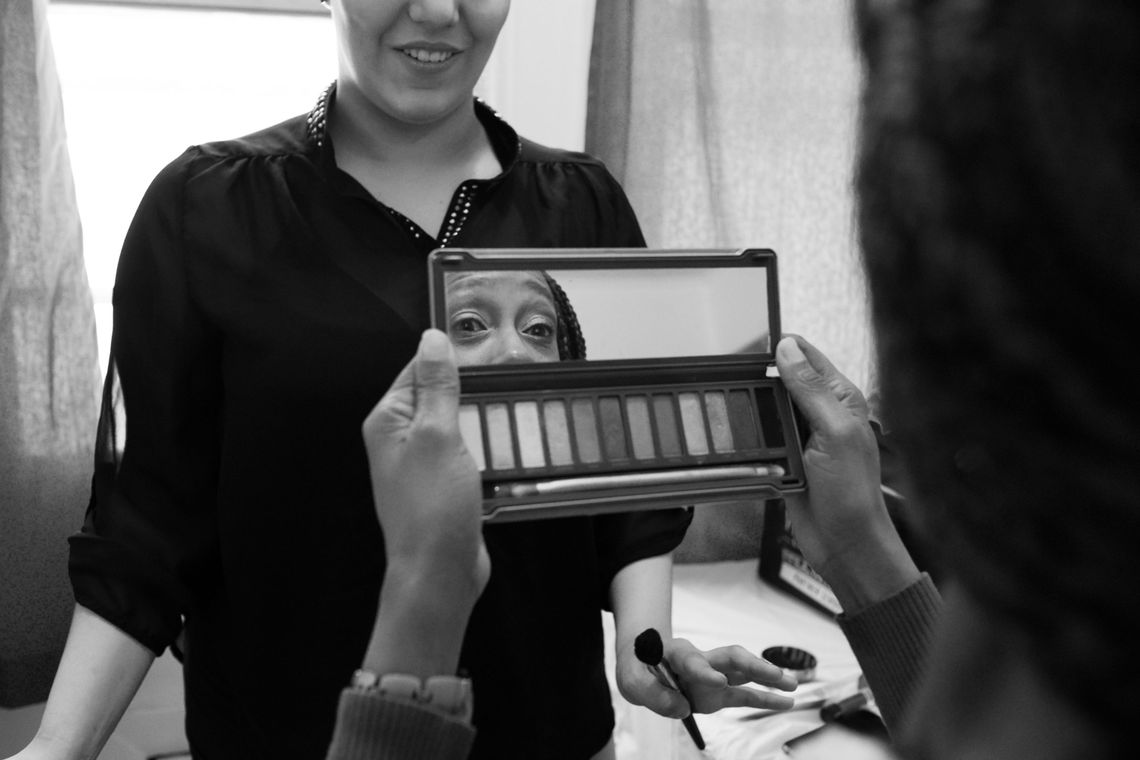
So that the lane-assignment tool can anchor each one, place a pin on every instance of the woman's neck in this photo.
(365, 133)
(413, 168)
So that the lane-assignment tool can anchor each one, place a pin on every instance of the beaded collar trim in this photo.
(316, 125)
(316, 131)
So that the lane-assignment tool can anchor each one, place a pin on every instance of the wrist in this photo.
(871, 569)
(420, 624)
(64, 743)
(443, 584)
(453, 566)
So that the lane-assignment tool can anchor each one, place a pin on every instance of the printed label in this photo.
(797, 573)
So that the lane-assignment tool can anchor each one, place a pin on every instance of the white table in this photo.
(723, 603)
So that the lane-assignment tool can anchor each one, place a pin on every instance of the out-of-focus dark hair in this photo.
(999, 208)
(571, 342)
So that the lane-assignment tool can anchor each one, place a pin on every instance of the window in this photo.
(142, 84)
(144, 79)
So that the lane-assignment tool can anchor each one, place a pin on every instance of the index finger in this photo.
(739, 696)
(741, 666)
(691, 665)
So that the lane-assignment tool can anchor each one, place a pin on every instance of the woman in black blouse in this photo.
(269, 290)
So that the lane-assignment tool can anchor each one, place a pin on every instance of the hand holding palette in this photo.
(676, 404)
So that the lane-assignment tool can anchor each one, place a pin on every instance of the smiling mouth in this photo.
(420, 55)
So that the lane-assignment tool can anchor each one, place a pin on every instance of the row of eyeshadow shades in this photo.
(592, 430)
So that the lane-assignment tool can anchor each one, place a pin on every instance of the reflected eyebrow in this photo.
(538, 286)
(467, 292)
(462, 297)
(543, 294)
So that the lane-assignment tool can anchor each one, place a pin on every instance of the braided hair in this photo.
(998, 187)
(571, 342)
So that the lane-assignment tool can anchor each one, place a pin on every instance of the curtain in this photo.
(731, 123)
(49, 367)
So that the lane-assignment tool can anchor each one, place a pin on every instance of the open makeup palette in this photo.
(677, 401)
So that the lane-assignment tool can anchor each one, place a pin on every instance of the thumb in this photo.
(666, 702)
(437, 380)
(820, 391)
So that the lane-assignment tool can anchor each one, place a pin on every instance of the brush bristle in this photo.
(648, 647)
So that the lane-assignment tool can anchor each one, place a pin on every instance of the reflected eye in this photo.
(540, 329)
(467, 324)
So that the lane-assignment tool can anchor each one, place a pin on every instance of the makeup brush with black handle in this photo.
(651, 651)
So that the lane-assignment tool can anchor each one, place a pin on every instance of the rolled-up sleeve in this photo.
(147, 550)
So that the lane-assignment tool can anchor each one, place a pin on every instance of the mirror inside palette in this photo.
(496, 316)
(599, 380)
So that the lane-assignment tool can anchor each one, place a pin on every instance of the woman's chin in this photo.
(426, 108)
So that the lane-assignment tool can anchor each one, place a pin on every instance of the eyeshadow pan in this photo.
(693, 422)
(530, 434)
(640, 434)
(557, 432)
(718, 422)
(585, 430)
(770, 427)
(471, 429)
(499, 437)
(613, 431)
(666, 417)
(741, 419)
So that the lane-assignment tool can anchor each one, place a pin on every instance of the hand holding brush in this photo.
(650, 650)
(705, 680)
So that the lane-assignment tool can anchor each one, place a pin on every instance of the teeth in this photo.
(429, 56)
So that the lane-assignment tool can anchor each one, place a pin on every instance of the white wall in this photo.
(537, 76)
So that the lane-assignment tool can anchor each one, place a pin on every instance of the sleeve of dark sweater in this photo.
(891, 640)
(374, 727)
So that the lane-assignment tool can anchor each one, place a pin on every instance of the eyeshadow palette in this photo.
(615, 429)
(608, 380)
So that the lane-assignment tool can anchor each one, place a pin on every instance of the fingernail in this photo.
(434, 345)
(794, 364)
(791, 350)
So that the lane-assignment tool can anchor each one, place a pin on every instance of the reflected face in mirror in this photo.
(502, 317)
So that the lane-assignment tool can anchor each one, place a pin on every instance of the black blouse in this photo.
(264, 302)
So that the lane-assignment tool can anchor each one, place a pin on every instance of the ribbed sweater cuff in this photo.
(371, 726)
(891, 639)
